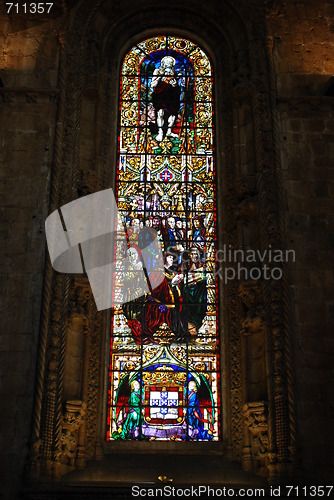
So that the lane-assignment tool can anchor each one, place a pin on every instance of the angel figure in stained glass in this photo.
(129, 427)
(197, 430)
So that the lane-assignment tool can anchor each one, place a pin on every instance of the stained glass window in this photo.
(164, 354)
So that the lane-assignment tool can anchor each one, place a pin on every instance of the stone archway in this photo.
(258, 409)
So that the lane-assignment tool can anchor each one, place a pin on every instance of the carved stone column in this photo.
(256, 437)
(253, 322)
(71, 450)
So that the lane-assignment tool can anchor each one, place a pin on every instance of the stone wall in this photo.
(302, 36)
(28, 70)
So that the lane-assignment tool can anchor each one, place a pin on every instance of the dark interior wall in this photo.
(302, 42)
(29, 71)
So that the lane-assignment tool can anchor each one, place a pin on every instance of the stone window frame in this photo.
(68, 425)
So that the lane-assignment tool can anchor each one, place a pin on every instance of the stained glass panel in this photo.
(164, 361)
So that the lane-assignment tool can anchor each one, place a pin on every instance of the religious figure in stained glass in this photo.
(194, 415)
(166, 337)
(129, 426)
(166, 96)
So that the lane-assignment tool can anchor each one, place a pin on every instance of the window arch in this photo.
(69, 413)
(164, 361)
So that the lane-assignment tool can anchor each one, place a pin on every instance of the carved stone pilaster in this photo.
(230, 202)
(79, 303)
(51, 403)
(248, 206)
(245, 186)
(241, 67)
(71, 447)
(93, 383)
(240, 77)
(256, 437)
(247, 209)
(93, 60)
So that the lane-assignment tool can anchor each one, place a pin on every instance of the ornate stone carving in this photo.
(7, 97)
(79, 303)
(32, 97)
(71, 449)
(32, 470)
(23, 95)
(256, 437)
(93, 60)
(51, 403)
(245, 186)
(229, 204)
(250, 294)
(87, 183)
(241, 76)
(247, 209)
(241, 92)
(306, 104)
(95, 337)
(272, 232)
(241, 67)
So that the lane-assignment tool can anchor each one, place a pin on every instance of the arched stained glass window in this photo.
(164, 361)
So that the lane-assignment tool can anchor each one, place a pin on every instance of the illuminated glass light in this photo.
(164, 362)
